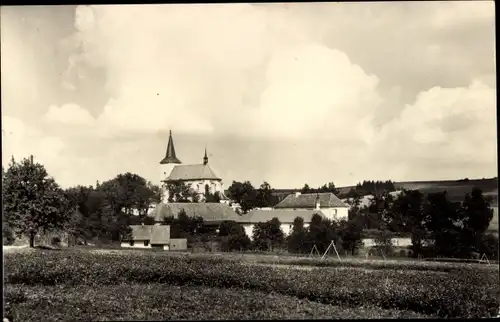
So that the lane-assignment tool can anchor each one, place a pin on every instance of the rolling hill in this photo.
(456, 189)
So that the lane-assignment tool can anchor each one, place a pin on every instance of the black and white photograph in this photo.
(249, 161)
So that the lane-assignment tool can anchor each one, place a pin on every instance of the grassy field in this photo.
(143, 285)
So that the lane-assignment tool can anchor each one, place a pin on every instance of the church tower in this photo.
(167, 164)
(205, 158)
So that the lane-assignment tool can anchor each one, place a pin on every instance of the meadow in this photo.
(88, 284)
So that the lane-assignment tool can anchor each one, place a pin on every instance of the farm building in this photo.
(148, 236)
(212, 213)
(493, 227)
(197, 176)
(285, 216)
(329, 204)
(396, 242)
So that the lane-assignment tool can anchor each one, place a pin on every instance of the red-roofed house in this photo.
(329, 204)
(197, 176)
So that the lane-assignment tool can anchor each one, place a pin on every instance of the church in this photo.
(196, 176)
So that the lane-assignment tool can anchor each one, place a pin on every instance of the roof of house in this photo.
(160, 234)
(190, 172)
(210, 212)
(308, 200)
(141, 232)
(155, 234)
(285, 216)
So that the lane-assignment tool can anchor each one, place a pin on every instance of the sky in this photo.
(285, 93)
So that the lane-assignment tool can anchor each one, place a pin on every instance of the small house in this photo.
(148, 236)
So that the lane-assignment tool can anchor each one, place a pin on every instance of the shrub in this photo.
(55, 241)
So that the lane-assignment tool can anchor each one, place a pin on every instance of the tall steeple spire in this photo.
(170, 156)
(205, 158)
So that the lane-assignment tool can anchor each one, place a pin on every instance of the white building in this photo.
(329, 204)
(197, 176)
(148, 236)
(396, 242)
(285, 216)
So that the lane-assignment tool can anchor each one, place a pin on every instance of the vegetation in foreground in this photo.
(465, 293)
(170, 302)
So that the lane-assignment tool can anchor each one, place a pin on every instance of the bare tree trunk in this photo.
(31, 240)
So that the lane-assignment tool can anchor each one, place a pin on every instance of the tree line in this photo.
(436, 225)
(249, 197)
(34, 203)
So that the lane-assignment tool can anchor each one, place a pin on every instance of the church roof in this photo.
(308, 200)
(285, 216)
(170, 156)
(192, 172)
(210, 212)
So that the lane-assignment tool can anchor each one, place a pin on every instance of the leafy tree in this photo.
(130, 192)
(233, 236)
(264, 196)
(442, 220)
(383, 241)
(33, 202)
(148, 221)
(330, 187)
(211, 197)
(8, 237)
(406, 211)
(244, 194)
(274, 233)
(305, 189)
(179, 192)
(489, 246)
(297, 240)
(476, 217)
(225, 228)
(351, 234)
(259, 236)
(268, 235)
(375, 187)
(321, 232)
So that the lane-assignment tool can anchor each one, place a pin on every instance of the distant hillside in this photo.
(456, 189)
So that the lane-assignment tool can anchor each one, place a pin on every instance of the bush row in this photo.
(469, 293)
(415, 265)
(146, 302)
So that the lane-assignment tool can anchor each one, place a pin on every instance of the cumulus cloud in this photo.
(69, 114)
(305, 92)
(20, 141)
(443, 127)
(166, 72)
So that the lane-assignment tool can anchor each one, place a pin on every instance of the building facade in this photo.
(198, 177)
(285, 216)
(331, 206)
